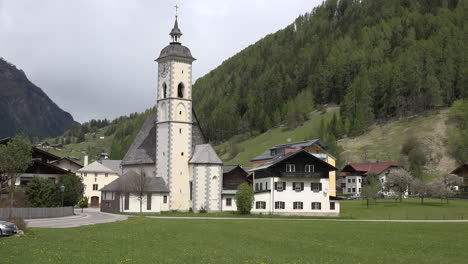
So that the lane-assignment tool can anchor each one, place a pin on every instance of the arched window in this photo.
(164, 90)
(180, 90)
(162, 112)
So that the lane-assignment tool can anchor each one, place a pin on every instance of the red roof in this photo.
(370, 167)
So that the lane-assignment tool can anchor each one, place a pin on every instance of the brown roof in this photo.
(370, 167)
(459, 168)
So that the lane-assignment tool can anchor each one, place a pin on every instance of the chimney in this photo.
(85, 160)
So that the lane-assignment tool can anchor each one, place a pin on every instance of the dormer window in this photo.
(273, 152)
(290, 168)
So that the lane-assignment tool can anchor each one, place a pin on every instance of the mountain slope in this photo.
(379, 142)
(25, 108)
(378, 59)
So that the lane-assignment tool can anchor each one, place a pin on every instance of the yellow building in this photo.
(316, 147)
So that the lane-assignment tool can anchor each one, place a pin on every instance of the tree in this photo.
(41, 192)
(244, 198)
(421, 188)
(443, 186)
(73, 189)
(398, 181)
(371, 188)
(15, 158)
(139, 185)
(83, 203)
(458, 131)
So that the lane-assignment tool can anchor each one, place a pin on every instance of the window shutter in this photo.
(284, 185)
(302, 186)
(320, 186)
(276, 186)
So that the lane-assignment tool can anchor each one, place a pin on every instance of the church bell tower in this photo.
(174, 120)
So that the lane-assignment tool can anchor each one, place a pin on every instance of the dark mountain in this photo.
(377, 59)
(25, 108)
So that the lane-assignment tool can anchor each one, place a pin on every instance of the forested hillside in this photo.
(378, 59)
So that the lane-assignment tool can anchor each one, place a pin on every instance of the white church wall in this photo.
(206, 182)
(182, 73)
(162, 151)
(134, 203)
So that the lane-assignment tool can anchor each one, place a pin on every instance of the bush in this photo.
(83, 203)
(73, 189)
(244, 198)
(41, 192)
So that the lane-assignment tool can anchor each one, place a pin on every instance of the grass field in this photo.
(433, 209)
(144, 240)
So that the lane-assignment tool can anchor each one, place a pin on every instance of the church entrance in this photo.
(94, 201)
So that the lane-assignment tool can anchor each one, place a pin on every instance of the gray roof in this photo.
(297, 145)
(143, 148)
(175, 30)
(205, 154)
(99, 167)
(113, 165)
(175, 49)
(155, 184)
(229, 168)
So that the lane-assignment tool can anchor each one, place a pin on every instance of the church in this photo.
(186, 173)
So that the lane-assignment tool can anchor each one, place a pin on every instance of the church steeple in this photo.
(175, 32)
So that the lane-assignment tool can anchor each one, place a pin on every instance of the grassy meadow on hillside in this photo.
(145, 240)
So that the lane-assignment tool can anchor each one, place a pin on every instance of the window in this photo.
(85, 174)
(359, 189)
(84, 187)
(273, 152)
(290, 168)
(354, 180)
(107, 174)
(280, 186)
(261, 186)
(332, 205)
(148, 201)
(298, 186)
(95, 177)
(180, 130)
(260, 205)
(349, 180)
(95, 187)
(266, 185)
(359, 180)
(354, 190)
(127, 201)
(309, 168)
(180, 90)
(181, 153)
(316, 186)
(228, 201)
(164, 90)
(297, 205)
(165, 199)
(279, 205)
(316, 206)
(349, 190)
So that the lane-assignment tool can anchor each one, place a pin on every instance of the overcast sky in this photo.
(95, 58)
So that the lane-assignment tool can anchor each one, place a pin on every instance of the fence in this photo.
(29, 213)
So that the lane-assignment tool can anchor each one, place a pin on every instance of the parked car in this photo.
(7, 228)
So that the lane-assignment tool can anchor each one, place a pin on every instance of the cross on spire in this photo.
(176, 9)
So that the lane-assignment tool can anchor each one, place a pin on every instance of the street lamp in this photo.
(62, 190)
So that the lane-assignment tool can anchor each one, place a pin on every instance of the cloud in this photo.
(95, 59)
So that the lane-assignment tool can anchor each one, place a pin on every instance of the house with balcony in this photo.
(316, 147)
(353, 174)
(296, 183)
(462, 171)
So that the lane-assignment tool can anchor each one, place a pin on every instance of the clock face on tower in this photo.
(163, 69)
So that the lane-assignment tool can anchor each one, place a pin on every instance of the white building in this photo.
(97, 175)
(296, 183)
(170, 146)
(353, 175)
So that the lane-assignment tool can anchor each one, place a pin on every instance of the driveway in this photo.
(90, 216)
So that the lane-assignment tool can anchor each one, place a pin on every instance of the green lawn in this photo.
(433, 209)
(144, 240)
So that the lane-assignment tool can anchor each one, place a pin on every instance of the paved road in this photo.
(305, 219)
(90, 216)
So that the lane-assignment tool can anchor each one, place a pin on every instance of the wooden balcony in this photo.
(304, 174)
